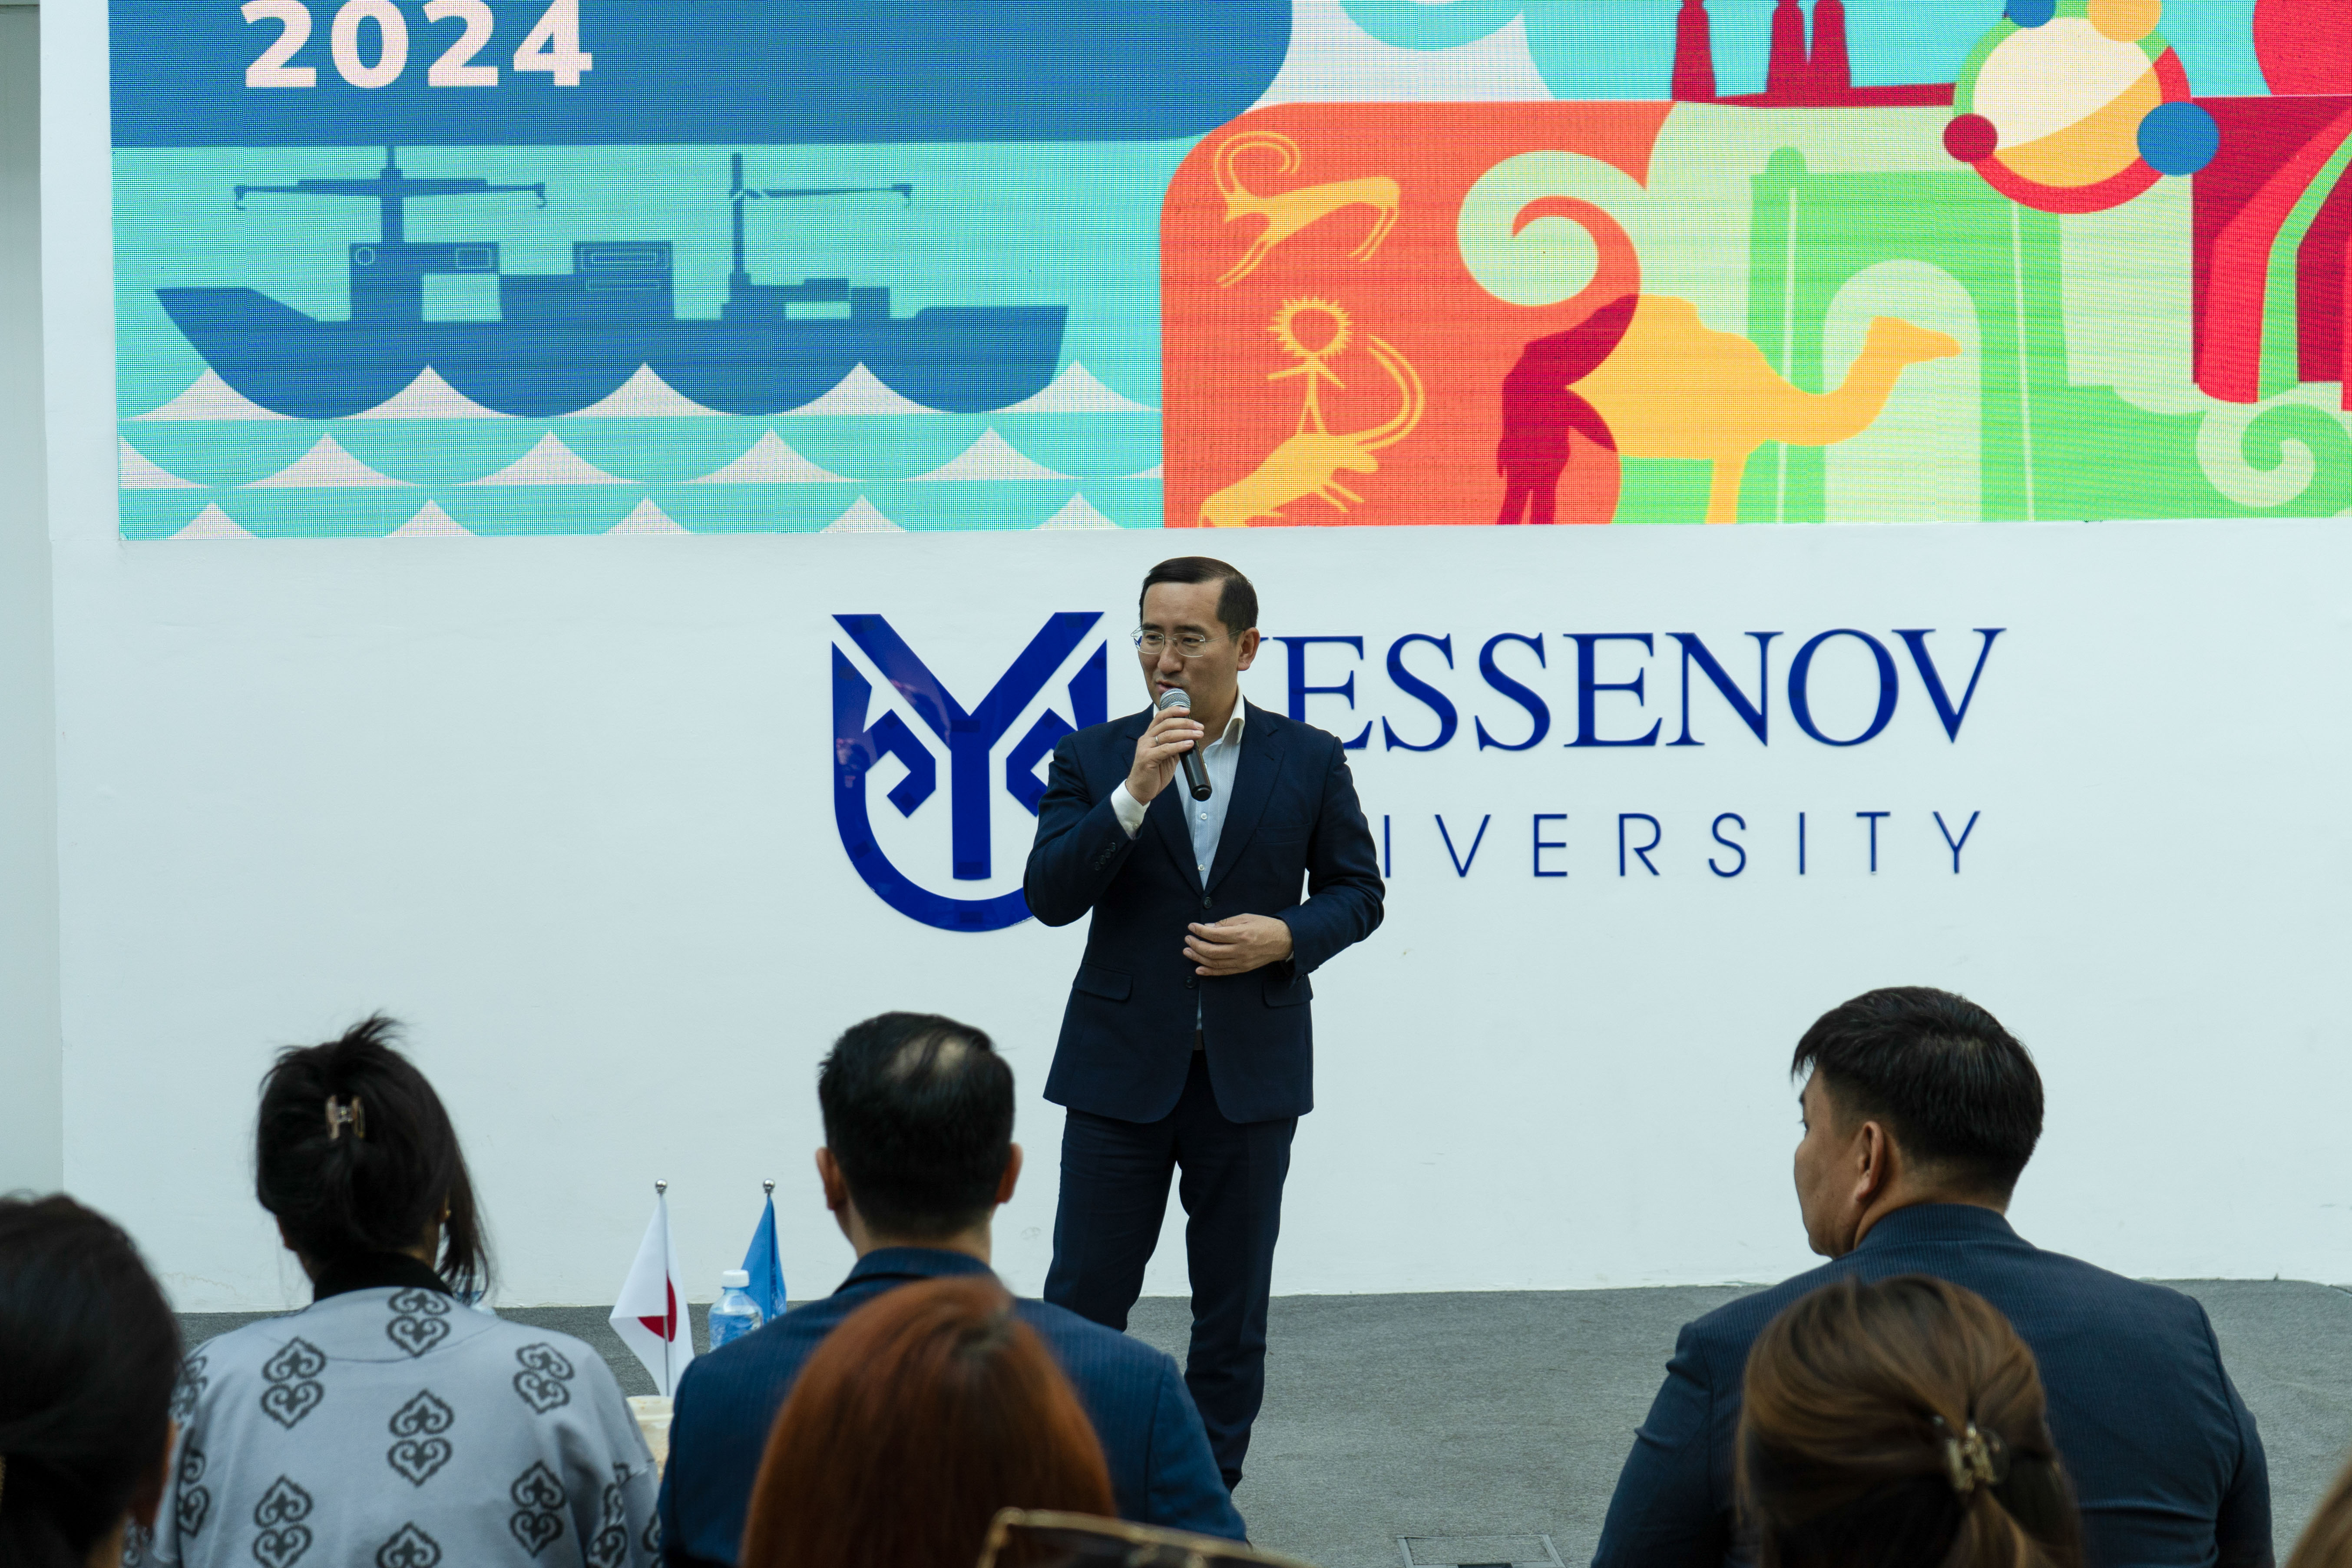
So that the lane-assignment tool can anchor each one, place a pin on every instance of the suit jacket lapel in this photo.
(1264, 743)
(1166, 813)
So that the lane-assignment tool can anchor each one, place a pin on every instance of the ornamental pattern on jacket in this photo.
(397, 1428)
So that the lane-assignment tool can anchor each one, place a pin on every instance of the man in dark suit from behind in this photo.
(917, 1155)
(1919, 1114)
(1188, 1042)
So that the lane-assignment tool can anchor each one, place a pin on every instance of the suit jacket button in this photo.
(1208, 904)
(1191, 981)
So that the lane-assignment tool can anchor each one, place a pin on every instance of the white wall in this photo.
(563, 803)
(32, 1130)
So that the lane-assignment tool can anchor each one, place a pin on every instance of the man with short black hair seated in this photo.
(917, 1155)
(1919, 1114)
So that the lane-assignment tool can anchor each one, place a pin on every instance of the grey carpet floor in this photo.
(1509, 1412)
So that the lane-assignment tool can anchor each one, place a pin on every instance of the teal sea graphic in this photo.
(1075, 226)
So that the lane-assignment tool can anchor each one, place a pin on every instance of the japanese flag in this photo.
(650, 1317)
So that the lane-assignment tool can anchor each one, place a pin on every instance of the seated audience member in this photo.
(88, 1352)
(2326, 1539)
(389, 1423)
(1899, 1425)
(928, 1410)
(1919, 1114)
(918, 1152)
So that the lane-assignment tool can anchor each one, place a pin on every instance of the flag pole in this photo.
(661, 1189)
(768, 1222)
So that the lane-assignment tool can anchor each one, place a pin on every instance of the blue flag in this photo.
(766, 1266)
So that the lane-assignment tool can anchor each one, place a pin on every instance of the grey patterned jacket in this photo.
(397, 1428)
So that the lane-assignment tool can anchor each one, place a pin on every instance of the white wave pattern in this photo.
(213, 523)
(1152, 472)
(647, 518)
(990, 457)
(326, 467)
(771, 462)
(429, 397)
(860, 393)
(210, 397)
(430, 522)
(137, 471)
(646, 395)
(551, 462)
(1076, 391)
(861, 518)
(1077, 514)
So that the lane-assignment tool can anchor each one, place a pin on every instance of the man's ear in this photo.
(1011, 1179)
(1248, 641)
(828, 1174)
(1875, 1159)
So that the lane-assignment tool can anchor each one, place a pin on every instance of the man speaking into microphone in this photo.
(1188, 830)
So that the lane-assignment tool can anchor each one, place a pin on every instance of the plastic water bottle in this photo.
(734, 1314)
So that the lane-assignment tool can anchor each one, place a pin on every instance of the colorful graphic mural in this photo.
(1750, 261)
(578, 340)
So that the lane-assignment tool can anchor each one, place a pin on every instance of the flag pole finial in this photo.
(767, 1187)
(660, 1187)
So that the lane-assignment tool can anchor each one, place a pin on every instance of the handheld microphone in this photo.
(1196, 772)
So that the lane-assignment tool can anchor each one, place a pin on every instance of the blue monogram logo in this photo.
(969, 737)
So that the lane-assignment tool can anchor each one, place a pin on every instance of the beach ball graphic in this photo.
(2074, 106)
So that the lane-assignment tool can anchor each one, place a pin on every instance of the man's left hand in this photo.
(1237, 945)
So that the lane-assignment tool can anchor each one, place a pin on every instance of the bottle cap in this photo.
(733, 1278)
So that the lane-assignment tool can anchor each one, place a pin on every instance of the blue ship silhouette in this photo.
(566, 340)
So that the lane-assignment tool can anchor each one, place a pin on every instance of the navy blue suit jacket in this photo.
(1161, 1470)
(1127, 1033)
(2163, 1455)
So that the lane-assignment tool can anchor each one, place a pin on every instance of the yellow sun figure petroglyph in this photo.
(1309, 461)
(1315, 360)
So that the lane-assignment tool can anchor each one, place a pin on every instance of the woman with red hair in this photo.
(918, 1418)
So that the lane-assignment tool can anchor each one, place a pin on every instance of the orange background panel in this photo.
(1226, 423)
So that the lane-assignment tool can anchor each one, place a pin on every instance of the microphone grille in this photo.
(1174, 697)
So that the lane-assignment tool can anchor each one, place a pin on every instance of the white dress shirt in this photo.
(1205, 819)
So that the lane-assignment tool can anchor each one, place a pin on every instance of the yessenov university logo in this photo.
(932, 853)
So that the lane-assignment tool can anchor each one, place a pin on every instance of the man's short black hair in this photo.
(918, 1115)
(1955, 1088)
(1236, 601)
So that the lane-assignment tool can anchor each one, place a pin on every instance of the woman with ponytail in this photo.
(1899, 1425)
(88, 1352)
(391, 1423)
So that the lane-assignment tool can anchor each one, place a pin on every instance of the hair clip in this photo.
(1973, 1456)
(342, 1114)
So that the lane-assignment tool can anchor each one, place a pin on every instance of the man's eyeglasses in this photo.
(1188, 645)
(1038, 1539)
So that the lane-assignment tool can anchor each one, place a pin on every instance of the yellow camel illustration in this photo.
(1676, 387)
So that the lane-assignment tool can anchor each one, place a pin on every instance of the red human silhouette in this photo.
(1543, 416)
